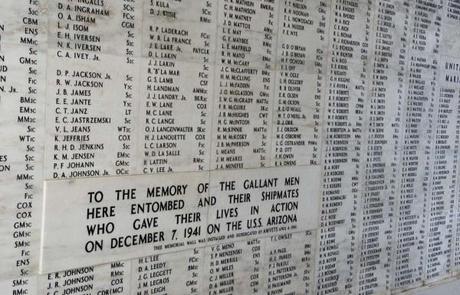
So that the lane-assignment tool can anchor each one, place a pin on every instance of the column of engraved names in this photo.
(455, 257)
(246, 47)
(90, 108)
(178, 53)
(449, 81)
(399, 126)
(343, 116)
(77, 82)
(244, 75)
(443, 186)
(445, 177)
(302, 42)
(178, 49)
(411, 207)
(443, 159)
(297, 111)
(363, 108)
(381, 152)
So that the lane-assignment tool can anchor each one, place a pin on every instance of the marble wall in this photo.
(229, 147)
